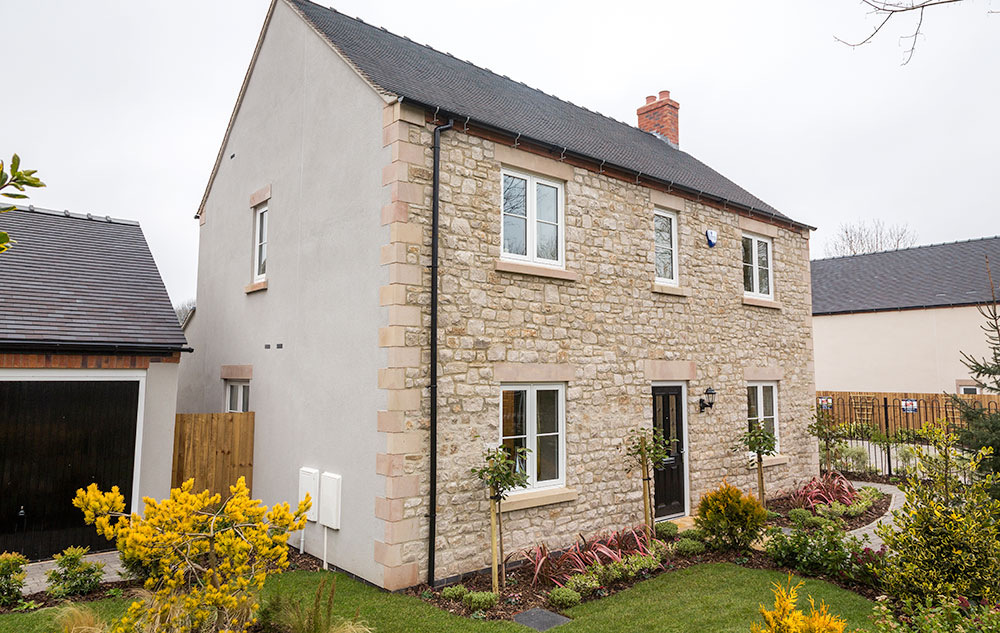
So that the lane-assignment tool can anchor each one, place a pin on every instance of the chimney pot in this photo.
(660, 115)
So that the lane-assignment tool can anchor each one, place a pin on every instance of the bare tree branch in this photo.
(869, 237)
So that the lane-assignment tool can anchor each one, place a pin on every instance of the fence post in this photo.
(888, 455)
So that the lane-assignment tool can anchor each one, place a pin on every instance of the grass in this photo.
(711, 598)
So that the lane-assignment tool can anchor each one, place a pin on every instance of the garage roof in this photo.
(82, 282)
(937, 275)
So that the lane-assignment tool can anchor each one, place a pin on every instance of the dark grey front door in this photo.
(668, 478)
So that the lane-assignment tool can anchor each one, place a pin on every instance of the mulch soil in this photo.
(105, 590)
(875, 478)
(520, 596)
(782, 505)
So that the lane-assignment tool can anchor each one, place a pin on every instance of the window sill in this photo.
(504, 266)
(762, 303)
(773, 460)
(535, 498)
(256, 286)
(664, 289)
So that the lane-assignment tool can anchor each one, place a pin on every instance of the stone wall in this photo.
(603, 325)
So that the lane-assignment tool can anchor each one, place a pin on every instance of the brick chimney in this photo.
(659, 115)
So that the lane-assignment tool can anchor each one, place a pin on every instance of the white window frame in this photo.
(759, 385)
(531, 249)
(258, 241)
(962, 390)
(228, 386)
(672, 216)
(531, 439)
(757, 239)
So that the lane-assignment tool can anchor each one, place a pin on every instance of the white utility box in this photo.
(329, 505)
(309, 483)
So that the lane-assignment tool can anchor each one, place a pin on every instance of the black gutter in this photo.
(711, 197)
(91, 348)
(435, 224)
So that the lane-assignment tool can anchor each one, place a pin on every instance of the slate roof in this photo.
(82, 283)
(936, 275)
(401, 67)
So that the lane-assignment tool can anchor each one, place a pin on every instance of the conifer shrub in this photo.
(731, 519)
(11, 577)
(72, 575)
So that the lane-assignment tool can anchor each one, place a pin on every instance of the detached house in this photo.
(591, 279)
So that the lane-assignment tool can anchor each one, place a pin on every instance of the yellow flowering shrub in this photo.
(786, 618)
(209, 557)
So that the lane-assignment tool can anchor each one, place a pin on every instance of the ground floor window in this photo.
(762, 408)
(533, 416)
(237, 396)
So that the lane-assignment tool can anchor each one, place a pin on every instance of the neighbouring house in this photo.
(592, 278)
(89, 354)
(898, 321)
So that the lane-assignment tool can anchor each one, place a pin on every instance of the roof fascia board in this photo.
(937, 306)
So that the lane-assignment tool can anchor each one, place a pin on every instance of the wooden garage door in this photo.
(56, 437)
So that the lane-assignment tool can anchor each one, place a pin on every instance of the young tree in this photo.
(869, 237)
(645, 450)
(501, 472)
(209, 558)
(760, 443)
(830, 433)
(983, 427)
(18, 179)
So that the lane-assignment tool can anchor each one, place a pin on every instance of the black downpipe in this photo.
(435, 222)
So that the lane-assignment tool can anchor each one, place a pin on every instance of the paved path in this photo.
(34, 580)
(897, 502)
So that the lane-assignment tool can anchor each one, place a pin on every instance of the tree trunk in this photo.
(493, 543)
(760, 479)
(503, 561)
(646, 514)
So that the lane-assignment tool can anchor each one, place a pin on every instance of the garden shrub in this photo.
(666, 530)
(854, 459)
(925, 617)
(945, 540)
(640, 565)
(11, 577)
(454, 592)
(564, 598)
(695, 534)
(659, 550)
(786, 618)
(689, 547)
(584, 584)
(830, 487)
(213, 556)
(832, 510)
(811, 551)
(798, 515)
(73, 576)
(480, 600)
(731, 519)
(867, 496)
(611, 573)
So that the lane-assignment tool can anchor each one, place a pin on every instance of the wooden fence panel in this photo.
(215, 449)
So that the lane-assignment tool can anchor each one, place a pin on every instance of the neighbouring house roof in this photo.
(400, 67)
(936, 275)
(82, 282)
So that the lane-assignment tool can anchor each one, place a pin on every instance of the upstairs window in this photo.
(532, 227)
(969, 390)
(534, 417)
(260, 243)
(757, 266)
(237, 396)
(665, 230)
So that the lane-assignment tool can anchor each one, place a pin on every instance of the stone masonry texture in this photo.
(605, 324)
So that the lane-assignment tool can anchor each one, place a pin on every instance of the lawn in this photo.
(710, 598)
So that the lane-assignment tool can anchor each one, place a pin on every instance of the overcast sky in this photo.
(121, 106)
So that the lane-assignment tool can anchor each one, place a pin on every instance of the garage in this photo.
(89, 351)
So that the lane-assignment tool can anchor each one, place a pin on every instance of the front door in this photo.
(668, 478)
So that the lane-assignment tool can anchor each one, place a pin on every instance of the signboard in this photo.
(908, 405)
(825, 402)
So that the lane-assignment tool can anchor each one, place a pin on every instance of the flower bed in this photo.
(782, 505)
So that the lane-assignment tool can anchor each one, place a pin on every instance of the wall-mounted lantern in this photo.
(708, 401)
